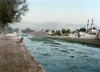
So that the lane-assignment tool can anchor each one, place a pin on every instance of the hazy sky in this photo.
(65, 11)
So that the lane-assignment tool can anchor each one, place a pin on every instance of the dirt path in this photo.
(14, 57)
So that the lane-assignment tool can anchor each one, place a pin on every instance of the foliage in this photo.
(28, 30)
(65, 32)
(11, 30)
(53, 33)
(11, 11)
(46, 30)
(68, 31)
(58, 32)
(81, 30)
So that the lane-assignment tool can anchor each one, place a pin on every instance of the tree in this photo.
(63, 31)
(11, 11)
(28, 30)
(53, 31)
(68, 31)
(47, 31)
(81, 30)
(58, 32)
(11, 30)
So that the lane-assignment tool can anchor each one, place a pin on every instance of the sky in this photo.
(60, 13)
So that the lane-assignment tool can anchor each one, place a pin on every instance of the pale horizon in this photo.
(61, 11)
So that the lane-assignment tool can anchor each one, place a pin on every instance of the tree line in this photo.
(65, 32)
(11, 30)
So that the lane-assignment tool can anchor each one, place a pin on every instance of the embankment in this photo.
(14, 56)
(81, 40)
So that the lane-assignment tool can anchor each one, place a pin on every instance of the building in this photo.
(91, 32)
(92, 29)
(48, 31)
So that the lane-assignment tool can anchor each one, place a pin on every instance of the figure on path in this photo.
(21, 40)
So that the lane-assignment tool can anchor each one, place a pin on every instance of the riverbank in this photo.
(64, 56)
(81, 40)
(14, 56)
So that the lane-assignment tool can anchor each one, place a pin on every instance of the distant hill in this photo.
(49, 25)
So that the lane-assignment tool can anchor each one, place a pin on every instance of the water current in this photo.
(63, 56)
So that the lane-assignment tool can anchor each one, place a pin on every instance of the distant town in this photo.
(90, 32)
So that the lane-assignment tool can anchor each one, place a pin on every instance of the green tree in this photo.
(11, 30)
(63, 31)
(28, 30)
(46, 30)
(58, 32)
(53, 32)
(68, 31)
(11, 11)
(81, 30)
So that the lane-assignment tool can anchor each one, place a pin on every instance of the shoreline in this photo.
(15, 57)
(78, 40)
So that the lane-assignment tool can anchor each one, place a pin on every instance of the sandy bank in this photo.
(14, 56)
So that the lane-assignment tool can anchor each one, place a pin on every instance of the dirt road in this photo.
(14, 57)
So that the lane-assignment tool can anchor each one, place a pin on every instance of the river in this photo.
(63, 56)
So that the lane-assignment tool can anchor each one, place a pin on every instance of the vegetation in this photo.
(81, 30)
(65, 32)
(61, 32)
(47, 31)
(11, 11)
(11, 30)
(53, 32)
(28, 30)
(58, 33)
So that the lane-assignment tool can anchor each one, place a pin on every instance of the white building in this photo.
(82, 35)
(92, 29)
(91, 32)
(49, 32)
(74, 34)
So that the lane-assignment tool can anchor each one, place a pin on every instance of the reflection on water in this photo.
(63, 56)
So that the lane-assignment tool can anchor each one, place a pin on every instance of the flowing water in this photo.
(63, 56)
